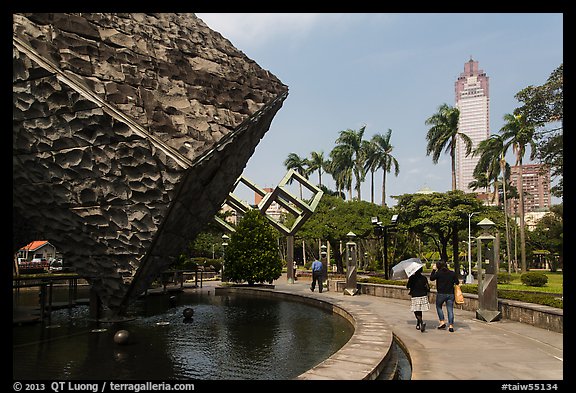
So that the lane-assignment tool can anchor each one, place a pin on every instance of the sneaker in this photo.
(451, 329)
(443, 326)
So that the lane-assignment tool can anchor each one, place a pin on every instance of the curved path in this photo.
(476, 350)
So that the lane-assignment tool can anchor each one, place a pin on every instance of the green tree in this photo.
(299, 164)
(519, 133)
(549, 234)
(334, 218)
(349, 145)
(437, 215)
(543, 106)
(378, 154)
(340, 167)
(252, 254)
(444, 134)
(317, 162)
(492, 160)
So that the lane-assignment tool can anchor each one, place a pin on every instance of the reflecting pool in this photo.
(229, 337)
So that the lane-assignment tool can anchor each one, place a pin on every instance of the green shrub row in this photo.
(378, 280)
(532, 297)
(529, 297)
(522, 296)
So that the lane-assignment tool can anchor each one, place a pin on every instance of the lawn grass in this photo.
(554, 285)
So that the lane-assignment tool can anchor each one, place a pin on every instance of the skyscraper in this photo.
(473, 101)
(536, 185)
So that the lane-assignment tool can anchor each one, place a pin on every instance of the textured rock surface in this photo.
(129, 130)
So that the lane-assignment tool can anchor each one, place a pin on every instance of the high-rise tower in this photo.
(473, 101)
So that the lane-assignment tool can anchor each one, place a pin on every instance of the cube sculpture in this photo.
(129, 130)
(301, 210)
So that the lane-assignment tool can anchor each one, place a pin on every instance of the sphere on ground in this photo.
(122, 337)
(188, 312)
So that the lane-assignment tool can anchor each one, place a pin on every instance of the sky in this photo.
(384, 71)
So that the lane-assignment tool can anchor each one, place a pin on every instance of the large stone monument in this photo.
(129, 131)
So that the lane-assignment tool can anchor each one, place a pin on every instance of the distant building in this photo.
(274, 211)
(37, 249)
(536, 186)
(531, 219)
(473, 102)
(232, 216)
(425, 190)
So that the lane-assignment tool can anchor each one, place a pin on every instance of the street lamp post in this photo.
(382, 230)
(225, 239)
(470, 277)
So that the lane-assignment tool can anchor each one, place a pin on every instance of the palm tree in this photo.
(350, 144)
(493, 161)
(518, 132)
(378, 156)
(317, 162)
(444, 134)
(340, 167)
(299, 164)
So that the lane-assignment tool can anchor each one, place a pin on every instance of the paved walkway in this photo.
(476, 350)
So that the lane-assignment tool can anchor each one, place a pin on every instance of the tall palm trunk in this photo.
(372, 186)
(521, 208)
(503, 171)
(384, 188)
(453, 159)
(455, 225)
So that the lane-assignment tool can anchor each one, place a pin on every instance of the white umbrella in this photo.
(404, 269)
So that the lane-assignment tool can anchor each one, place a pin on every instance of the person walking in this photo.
(445, 281)
(419, 288)
(316, 275)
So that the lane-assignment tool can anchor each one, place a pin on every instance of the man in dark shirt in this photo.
(316, 275)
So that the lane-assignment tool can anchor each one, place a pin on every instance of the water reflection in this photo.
(228, 337)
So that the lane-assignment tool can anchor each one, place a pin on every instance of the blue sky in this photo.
(385, 71)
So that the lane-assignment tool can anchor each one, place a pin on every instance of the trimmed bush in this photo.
(504, 278)
(534, 279)
(532, 297)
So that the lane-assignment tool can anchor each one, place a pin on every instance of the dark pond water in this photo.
(236, 337)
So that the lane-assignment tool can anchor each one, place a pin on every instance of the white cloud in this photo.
(258, 29)
(251, 30)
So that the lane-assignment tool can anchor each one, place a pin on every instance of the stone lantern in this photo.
(351, 287)
(487, 282)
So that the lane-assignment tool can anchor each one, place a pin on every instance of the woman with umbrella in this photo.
(419, 288)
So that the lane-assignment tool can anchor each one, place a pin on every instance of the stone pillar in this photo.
(351, 286)
(290, 258)
(324, 260)
(488, 283)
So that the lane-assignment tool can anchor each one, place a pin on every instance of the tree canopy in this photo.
(437, 215)
(252, 254)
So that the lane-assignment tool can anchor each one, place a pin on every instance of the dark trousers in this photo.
(317, 276)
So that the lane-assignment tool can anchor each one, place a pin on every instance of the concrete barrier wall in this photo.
(541, 316)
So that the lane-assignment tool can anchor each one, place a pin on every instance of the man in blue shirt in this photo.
(316, 275)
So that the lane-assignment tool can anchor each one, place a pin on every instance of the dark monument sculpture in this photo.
(129, 131)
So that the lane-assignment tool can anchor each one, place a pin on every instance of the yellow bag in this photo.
(458, 296)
